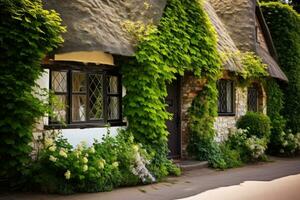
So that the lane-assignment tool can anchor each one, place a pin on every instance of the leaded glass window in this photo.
(86, 96)
(252, 99)
(226, 97)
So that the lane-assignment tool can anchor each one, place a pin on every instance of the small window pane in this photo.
(59, 81)
(252, 99)
(78, 108)
(225, 101)
(78, 82)
(95, 96)
(113, 108)
(229, 96)
(59, 108)
(112, 85)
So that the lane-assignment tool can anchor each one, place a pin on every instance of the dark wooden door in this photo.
(172, 101)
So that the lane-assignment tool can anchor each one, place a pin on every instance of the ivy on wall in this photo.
(183, 41)
(26, 35)
(284, 25)
(275, 105)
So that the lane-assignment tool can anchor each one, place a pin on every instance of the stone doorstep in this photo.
(186, 165)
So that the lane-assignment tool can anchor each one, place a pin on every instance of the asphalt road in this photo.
(205, 184)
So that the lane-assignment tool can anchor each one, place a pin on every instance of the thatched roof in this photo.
(239, 17)
(226, 45)
(97, 24)
(273, 68)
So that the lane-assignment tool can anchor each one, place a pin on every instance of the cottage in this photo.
(85, 77)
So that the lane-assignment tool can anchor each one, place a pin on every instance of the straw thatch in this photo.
(98, 24)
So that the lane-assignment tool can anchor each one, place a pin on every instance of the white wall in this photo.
(75, 136)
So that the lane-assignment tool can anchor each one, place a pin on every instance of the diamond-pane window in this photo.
(59, 81)
(59, 108)
(87, 96)
(225, 100)
(252, 99)
(95, 96)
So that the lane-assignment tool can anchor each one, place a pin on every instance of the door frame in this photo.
(179, 113)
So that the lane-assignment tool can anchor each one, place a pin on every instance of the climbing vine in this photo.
(26, 35)
(183, 41)
(284, 25)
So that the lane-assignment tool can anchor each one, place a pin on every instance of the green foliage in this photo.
(274, 109)
(184, 40)
(257, 124)
(202, 115)
(116, 161)
(27, 33)
(253, 67)
(284, 25)
(249, 147)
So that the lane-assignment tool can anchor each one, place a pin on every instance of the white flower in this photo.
(68, 174)
(115, 164)
(48, 142)
(85, 168)
(52, 148)
(92, 150)
(63, 153)
(135, 148)
(85, 160)
(52, 158)
(101, 163)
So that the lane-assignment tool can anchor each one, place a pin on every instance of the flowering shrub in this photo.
(288, 143)
(61, 168)
(251, 148)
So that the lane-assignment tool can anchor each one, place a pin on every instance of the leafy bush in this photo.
(250, 147)
(284, 25)
(257, 124)
(117, 161)
(27, 33)
(287, 143)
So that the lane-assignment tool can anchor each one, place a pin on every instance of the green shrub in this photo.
(27, 33)
(257, 124)
(250, 147)
(284, 25)
(287, 143)
(116, 161)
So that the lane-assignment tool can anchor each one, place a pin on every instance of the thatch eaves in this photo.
(226, 46)
(97, 25)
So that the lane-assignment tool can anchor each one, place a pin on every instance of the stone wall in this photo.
(190, 87)
(224, 123)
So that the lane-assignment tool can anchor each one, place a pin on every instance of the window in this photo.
(86, 97)
(226, 97)
(252, 99)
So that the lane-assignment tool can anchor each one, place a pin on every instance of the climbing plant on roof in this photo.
(27, 33)
(183, 41)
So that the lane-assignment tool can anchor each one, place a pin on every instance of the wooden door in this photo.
(172, 101)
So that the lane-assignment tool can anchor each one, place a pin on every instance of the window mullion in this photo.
(105, 97)
(69, 96)
(87, 84)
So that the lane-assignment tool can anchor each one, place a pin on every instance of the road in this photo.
(272, 180)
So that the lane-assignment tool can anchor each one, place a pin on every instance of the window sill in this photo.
(84, 125)
(226, 114)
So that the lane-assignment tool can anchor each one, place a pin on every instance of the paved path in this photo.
(191, 183)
